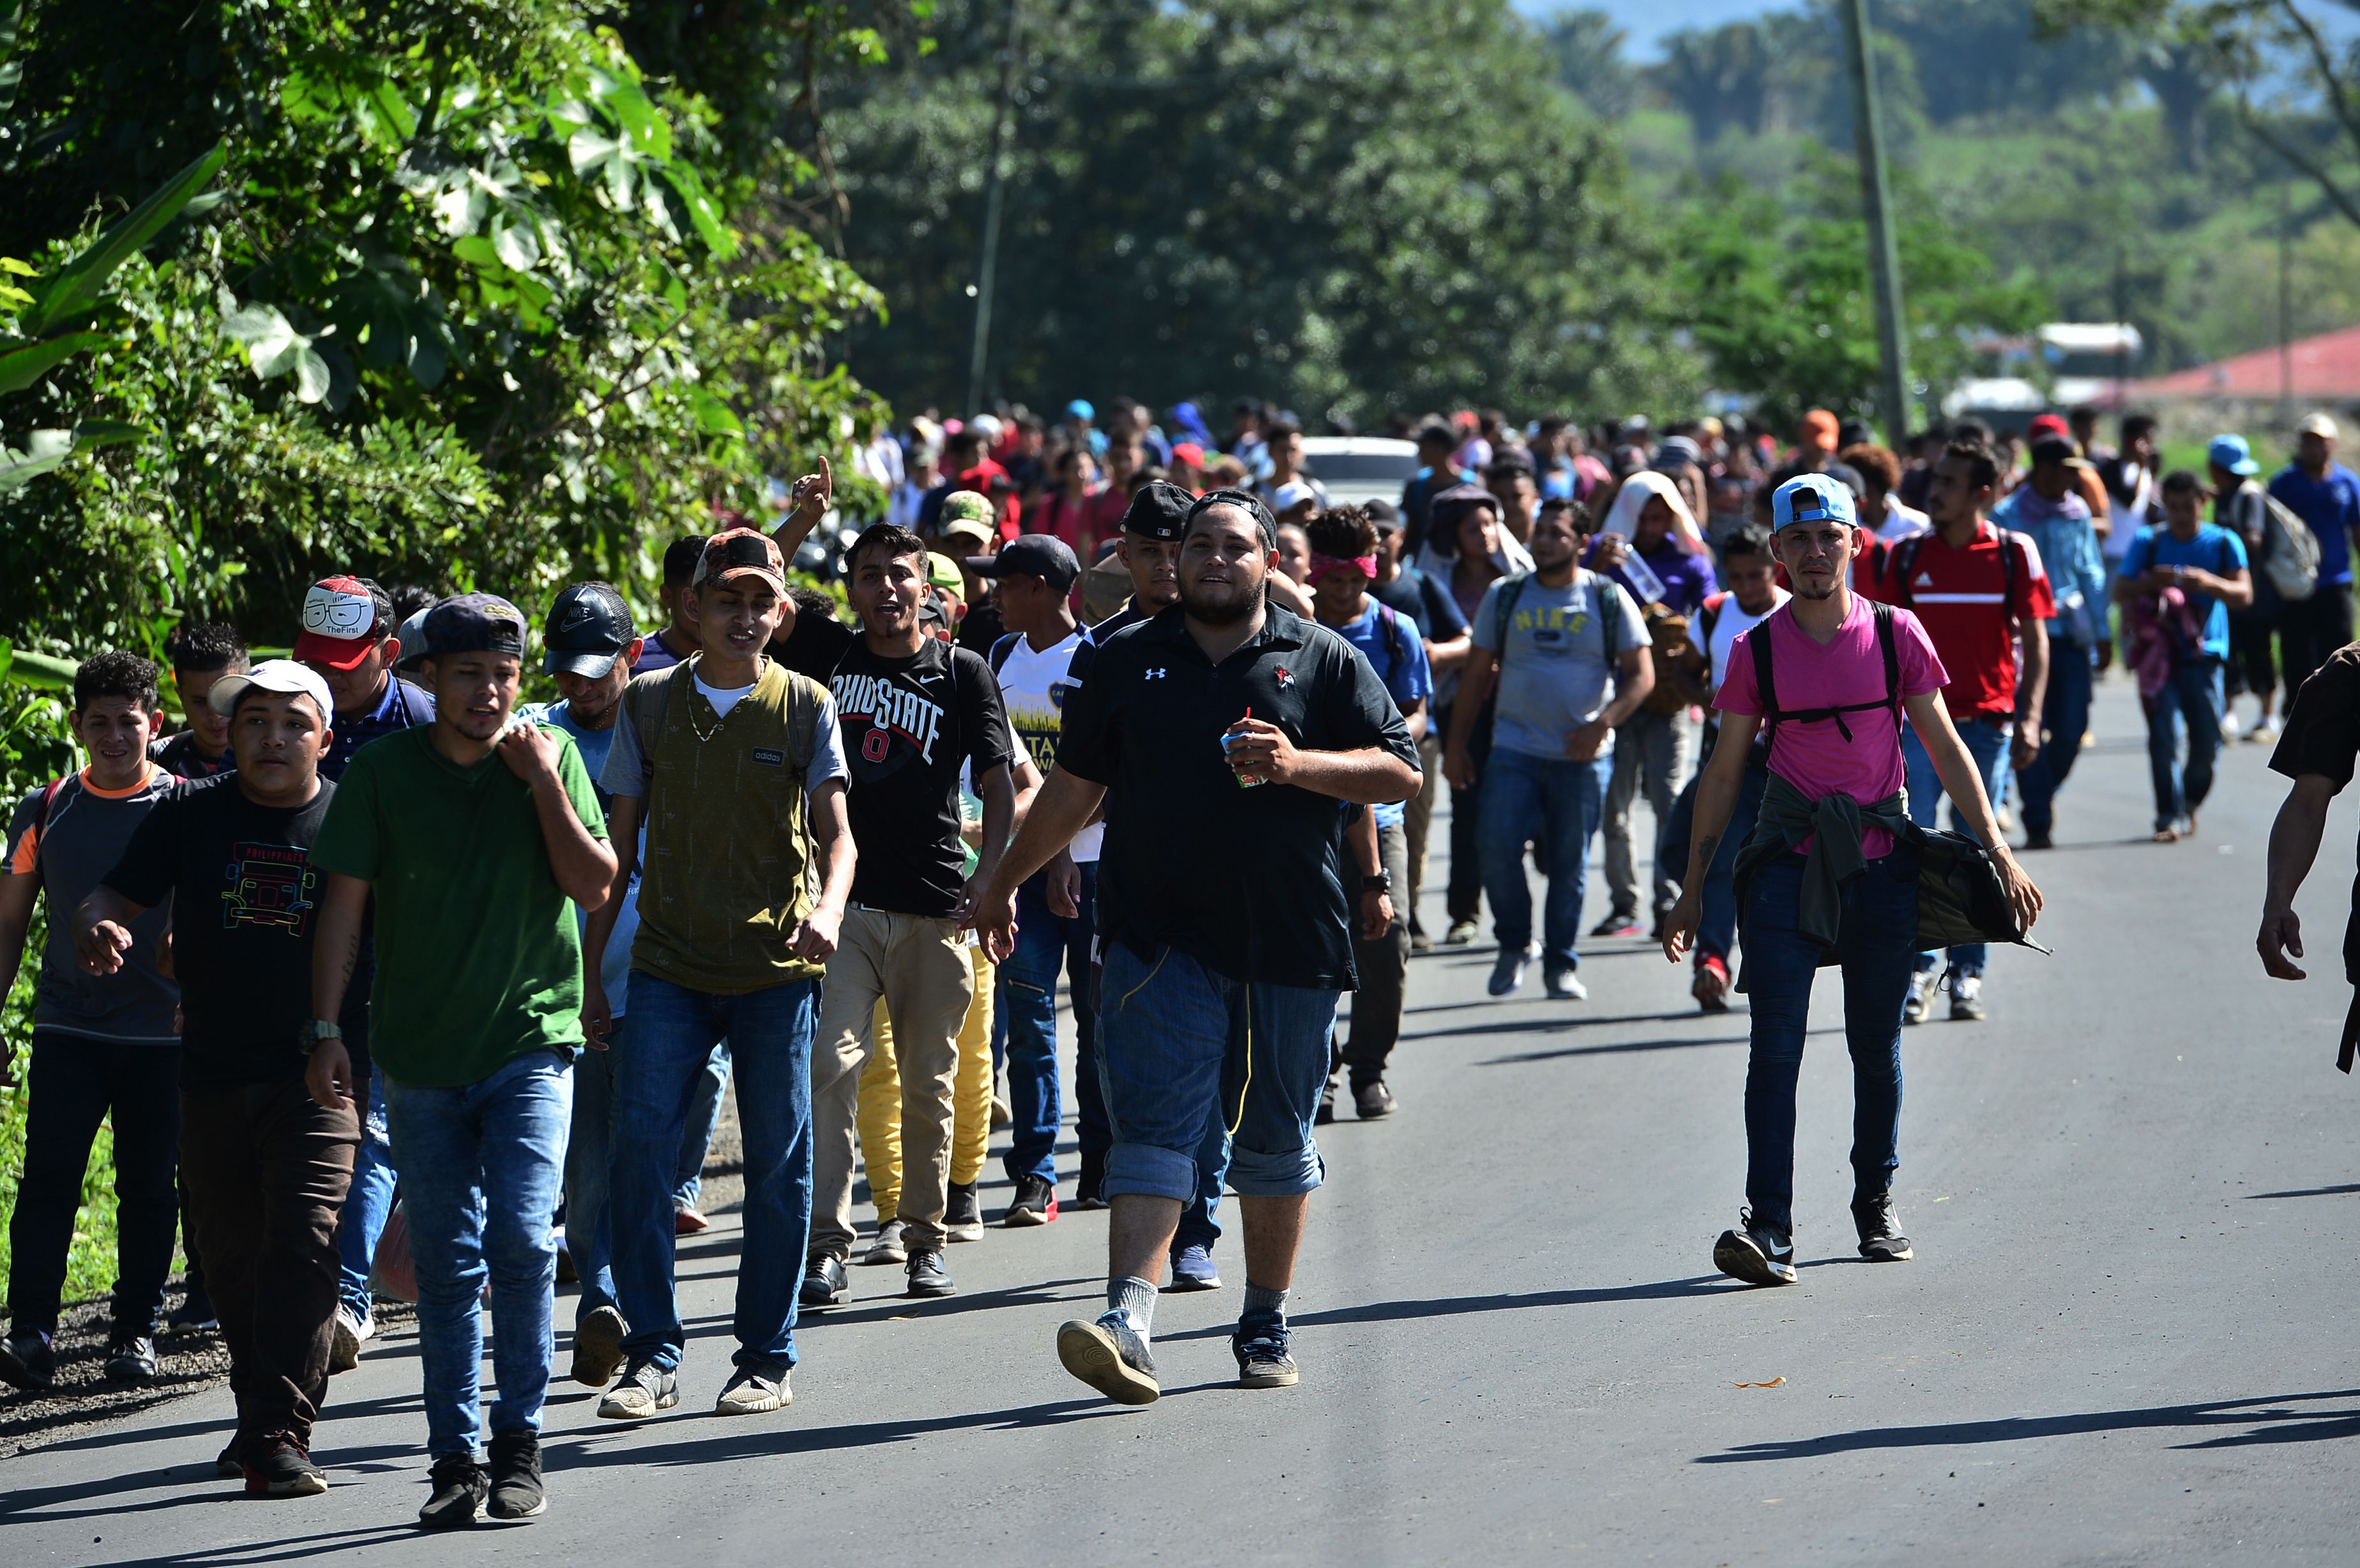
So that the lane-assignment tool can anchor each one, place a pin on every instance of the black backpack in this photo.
(1772, 715)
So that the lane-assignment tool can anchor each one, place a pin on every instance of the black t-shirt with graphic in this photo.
(245, 904)
(908, 724)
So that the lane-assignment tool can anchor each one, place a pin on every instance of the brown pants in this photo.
(267, 1171)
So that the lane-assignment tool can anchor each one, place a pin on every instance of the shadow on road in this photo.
(1460, 1306)
(575, 1451)
(2309, 1192)
(2278, 1425)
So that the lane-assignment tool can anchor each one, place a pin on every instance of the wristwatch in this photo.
(1381, 881)
(318, 1029)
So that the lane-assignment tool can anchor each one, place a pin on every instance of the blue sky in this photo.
(1647, 20)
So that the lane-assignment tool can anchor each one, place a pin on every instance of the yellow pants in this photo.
(879, 1116)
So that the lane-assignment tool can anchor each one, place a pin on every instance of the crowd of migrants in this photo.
(454, 988)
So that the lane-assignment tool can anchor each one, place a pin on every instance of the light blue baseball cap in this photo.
(1079, 408)
(2231, 455)
(1812, 498)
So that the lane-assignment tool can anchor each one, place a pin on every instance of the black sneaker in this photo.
(277, 1466)
(28, 1361)
(131, 1358)
(1261, 1344)
(1755, 1252)
(1109, 1356)
(927, 1275)
(598, 1345)
(1881, 1240)
(1090, 1188)
(517, 1491)
(963, 1216)
(824, 1283)
(1508, 971)
(646, 1388)
(1326, 1115)
(1035, 1204)
(1373, 1100)
(230, 1463)
(460, 1488)
(195, 1313)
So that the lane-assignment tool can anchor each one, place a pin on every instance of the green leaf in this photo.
(20, 368)
(77, 286)
(44, 450)
(105, 432)
(10, 264)
(476, 251)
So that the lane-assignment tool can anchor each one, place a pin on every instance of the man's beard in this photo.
(1804, 590)
(1220, 615)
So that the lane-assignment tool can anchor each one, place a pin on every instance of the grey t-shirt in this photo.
(1559, 663)
(79, 844)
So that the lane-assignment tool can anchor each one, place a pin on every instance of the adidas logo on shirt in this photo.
(1925, 580)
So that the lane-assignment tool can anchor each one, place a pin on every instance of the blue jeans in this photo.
(659, 1062)
(1188, 1049)
(1046, 944)
(1987, 744)
(368, 1203)
(1875, 948)
(2064, 720)
(1558, 802)
(485, 1164)
(1717, 927)
(703, 1116)
(589, 1237)
(2191, 701)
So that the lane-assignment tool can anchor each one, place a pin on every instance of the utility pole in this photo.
(1877, 200)
(987, 270)
(2286, 306)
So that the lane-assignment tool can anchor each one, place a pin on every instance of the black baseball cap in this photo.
(1385, 515)
(1044, 556)
(587, 630)
(474, 623)
(1158, 510)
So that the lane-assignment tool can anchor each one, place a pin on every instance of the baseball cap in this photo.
(1079, 408)
(1385, 515)
(1044, 556)
(1245, 501)
(942, 573)
(2050, 447)
(2231, 455)
(474, 623)
(740, 552)
(1676, 453)
(2318, 424)
(2047, 425)
(281, 675)
(341, 617)
(1443, 511)
(966, 512)
(412, 637)
(1293, 494)
(1821, 424)
(1189, 453)
(1158, 510)
(587, 630)
(1811, 499)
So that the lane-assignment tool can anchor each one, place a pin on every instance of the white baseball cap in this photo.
(281, 675)
(2317, 425)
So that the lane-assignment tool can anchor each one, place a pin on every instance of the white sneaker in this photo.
(2229, 725)
(1921, 996)
(2263, 734)
(346, 1339)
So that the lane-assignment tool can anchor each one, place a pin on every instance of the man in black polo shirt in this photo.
(1223, 961)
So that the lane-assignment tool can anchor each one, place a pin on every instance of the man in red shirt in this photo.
(1977, 588)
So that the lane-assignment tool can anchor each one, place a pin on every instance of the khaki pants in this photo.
(1417, 817)
(919, 968)
(880, 1116)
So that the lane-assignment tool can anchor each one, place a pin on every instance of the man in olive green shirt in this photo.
(472, 834)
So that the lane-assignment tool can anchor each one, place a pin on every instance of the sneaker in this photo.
(1564, 985)
(345, 1340)
(2229, 725)
(887, 1247)
(28, 1361)
(753, 1391)
(1460, 933)
(1508, 970)
(598, 1346)
(195, 1312)
(131, 1358)
(1420, 943)
(277, 1466)
(1089, 1187)
(1326, 1115)
(1881, 1240)
(229, 1462)
(927, 1275)
(1002, 1115)
(1921, 997)
(687, 1221)
(1110, 1357)
(516, 1492)
(1621, 922)
(963, 1216)
(1373, 1101)
(460, 1488)
(2263, 733)
(1755, 1253)
(824, 1283)
(646, 1388)
(1710, 986)
(1966, 998)
(1035, 1204)
(1192, 1269)
(1261, 1346)
(2039, 838)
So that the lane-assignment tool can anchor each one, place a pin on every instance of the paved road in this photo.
(2126, 1337)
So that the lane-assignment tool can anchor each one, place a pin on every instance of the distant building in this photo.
(2323, 370)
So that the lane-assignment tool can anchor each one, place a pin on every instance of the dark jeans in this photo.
(2064, 719)
(2191, 701)
(2252, 662)
(266, 1170)
(1877, 948)
(2310, 629)
(1462, 896)
(1383, 966)
(1716, 925)
(1046, 945)
(75, 1084)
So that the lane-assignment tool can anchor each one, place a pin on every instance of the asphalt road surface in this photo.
(2126, 1337)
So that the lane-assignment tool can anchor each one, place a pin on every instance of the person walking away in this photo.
(1343, 566)
(1206, 975)
(468, 836)
(1551, 642)
(264, 1164)
(1828, 873)
(102, 1046)
(2326, 495)
(2048, 510)
(2179, 582)
(201, 653)
(2241, 506)
(1442, 628)
(2322, 735)
(732, 765)
(1975, 589)
(912, 709)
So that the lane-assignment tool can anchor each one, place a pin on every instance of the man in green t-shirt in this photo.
(471, 835)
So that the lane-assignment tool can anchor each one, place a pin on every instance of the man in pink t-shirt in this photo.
(1843, 669)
